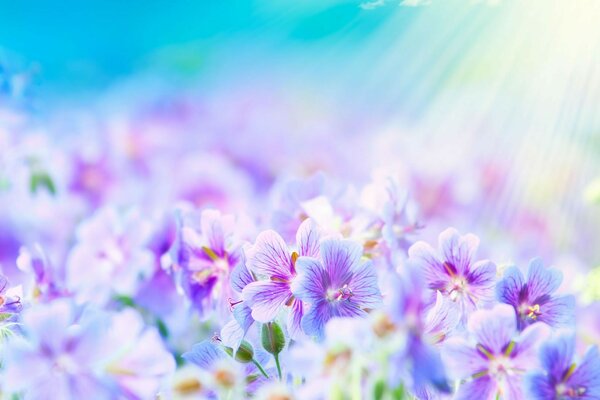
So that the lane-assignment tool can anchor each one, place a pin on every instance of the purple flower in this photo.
(9, 303)
(202, 257)
(330, 204)
(70, 353)
(226, 375)
(452, 271)
(533, 299)
(411, 309)
(395, 215)
(288, 198)
(495, 362)
(43, 278)
(418, 361)
(92, 178)
(271, 258)
(562, 378)
(339, 284)
(234, 331)
(112, 255)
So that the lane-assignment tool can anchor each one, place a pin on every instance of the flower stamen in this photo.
(534, 312)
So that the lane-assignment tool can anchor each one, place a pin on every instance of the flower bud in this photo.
(273, 339)
(245, 353)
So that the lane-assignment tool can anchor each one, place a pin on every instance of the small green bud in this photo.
(244, 354)
(273, 339)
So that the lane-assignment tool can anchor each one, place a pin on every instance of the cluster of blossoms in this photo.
(140, 263)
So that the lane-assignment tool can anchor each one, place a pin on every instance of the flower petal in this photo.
(508, 290)
(586, 375)
(482, 280)
(558, 311)
(556, 355)
(458, 250)
(266, 298)
(312, 281)
(525, 352)
(442, 318)
(23, 365)
(294, 321)
(541, 280)
(47, 325)
(364, 286)
(313, 322)
(243, 315)
(232, 334)
(462, 360)
(340, 257)
(428, 366)
(512, 387)
(213, 230)
(424, 257)
(538, 387)
(494, 328)
(308, 239)
(203, 354)
(240, 277)
(483, 388)
(270, 256)
(347, 308)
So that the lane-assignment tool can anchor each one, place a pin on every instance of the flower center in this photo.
(500, 366)
(337, 358)
(188, 386)
(383, 326)
(277, 396)
(564, 390)
(456, 287)
(201, 276)
(224, 378)
(221, 265)
(343, 293)
(532, 312)
(65, 364)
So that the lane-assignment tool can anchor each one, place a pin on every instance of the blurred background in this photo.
(489, 111)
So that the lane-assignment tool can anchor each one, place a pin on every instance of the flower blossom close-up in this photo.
(317, 200)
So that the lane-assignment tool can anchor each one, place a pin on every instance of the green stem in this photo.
(260, 368)
(276, 356)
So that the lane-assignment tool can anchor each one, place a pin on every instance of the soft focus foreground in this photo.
(336, 201)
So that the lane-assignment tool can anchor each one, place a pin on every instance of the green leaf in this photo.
(162, 328)
(273, 339)
(125, 300)
(379, 390)
(398, 393)
(5, 316)
(41, 179)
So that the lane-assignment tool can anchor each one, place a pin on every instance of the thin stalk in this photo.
(276, 356)
(260, 368)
